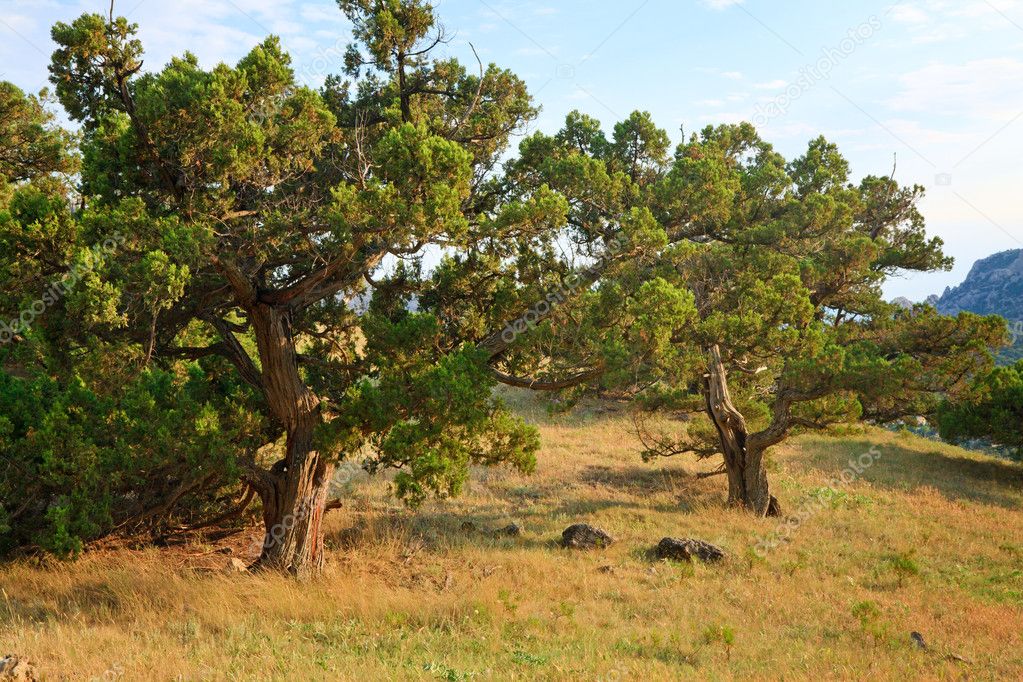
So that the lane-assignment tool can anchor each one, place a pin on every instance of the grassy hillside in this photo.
(928, 538)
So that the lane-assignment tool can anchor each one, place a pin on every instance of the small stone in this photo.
(236, 565)
(13, 669)
(512, 530)
(688, 549)
(585, 536)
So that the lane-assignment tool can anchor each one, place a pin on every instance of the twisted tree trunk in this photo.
(744, 462)
(293, 507)
(294, 493)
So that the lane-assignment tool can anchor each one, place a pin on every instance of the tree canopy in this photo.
(226, 283)
(755, 295)
(251, 214)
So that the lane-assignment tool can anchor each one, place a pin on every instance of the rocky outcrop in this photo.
(15, 669)
(993, 287)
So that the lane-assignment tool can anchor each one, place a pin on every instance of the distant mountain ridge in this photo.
(993, 287)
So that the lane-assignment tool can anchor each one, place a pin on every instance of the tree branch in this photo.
(475, 100)
(498, 341)
(546, 385)
(240, 284)
(234, 351)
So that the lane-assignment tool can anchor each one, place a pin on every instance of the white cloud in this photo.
(721, 4)
(909, 14)
(934, 21)
(771, 85)
(977, 90)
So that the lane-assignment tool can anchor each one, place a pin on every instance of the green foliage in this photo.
(224, 220)
(714, 634)
(868, 614)
(79, 462)
(30, 145)
(719, 635)
(904, 565)
(229, 227)
(778, 264)
(991, 409)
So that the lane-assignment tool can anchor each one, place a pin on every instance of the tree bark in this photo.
(748, 486)
(295, 491)
(293, 510)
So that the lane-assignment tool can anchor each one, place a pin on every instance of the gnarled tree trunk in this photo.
(295, 492)
(744, 462)
(294, 503)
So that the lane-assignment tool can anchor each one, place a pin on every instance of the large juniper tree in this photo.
(258, 213)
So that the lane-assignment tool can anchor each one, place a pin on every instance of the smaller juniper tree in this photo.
(752, 294)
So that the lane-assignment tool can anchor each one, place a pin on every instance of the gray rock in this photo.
(689, 549)
(14, 669)
(236, 565)
(512, 530)
(903, 303)
(585, 536)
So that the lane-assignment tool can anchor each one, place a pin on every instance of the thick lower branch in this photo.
(547, 384)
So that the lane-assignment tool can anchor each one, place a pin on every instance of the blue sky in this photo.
(937, 83)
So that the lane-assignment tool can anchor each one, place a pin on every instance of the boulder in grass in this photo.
(15, 669)
(235, 566)
(512, 530)
(585, 536)
(689, 549)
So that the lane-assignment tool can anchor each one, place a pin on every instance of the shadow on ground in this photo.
(907, 468)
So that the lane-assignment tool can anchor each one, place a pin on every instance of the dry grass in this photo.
(928, 539)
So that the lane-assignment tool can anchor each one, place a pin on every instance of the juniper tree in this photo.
(755, 299)
(88, 442)
(258, 212)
